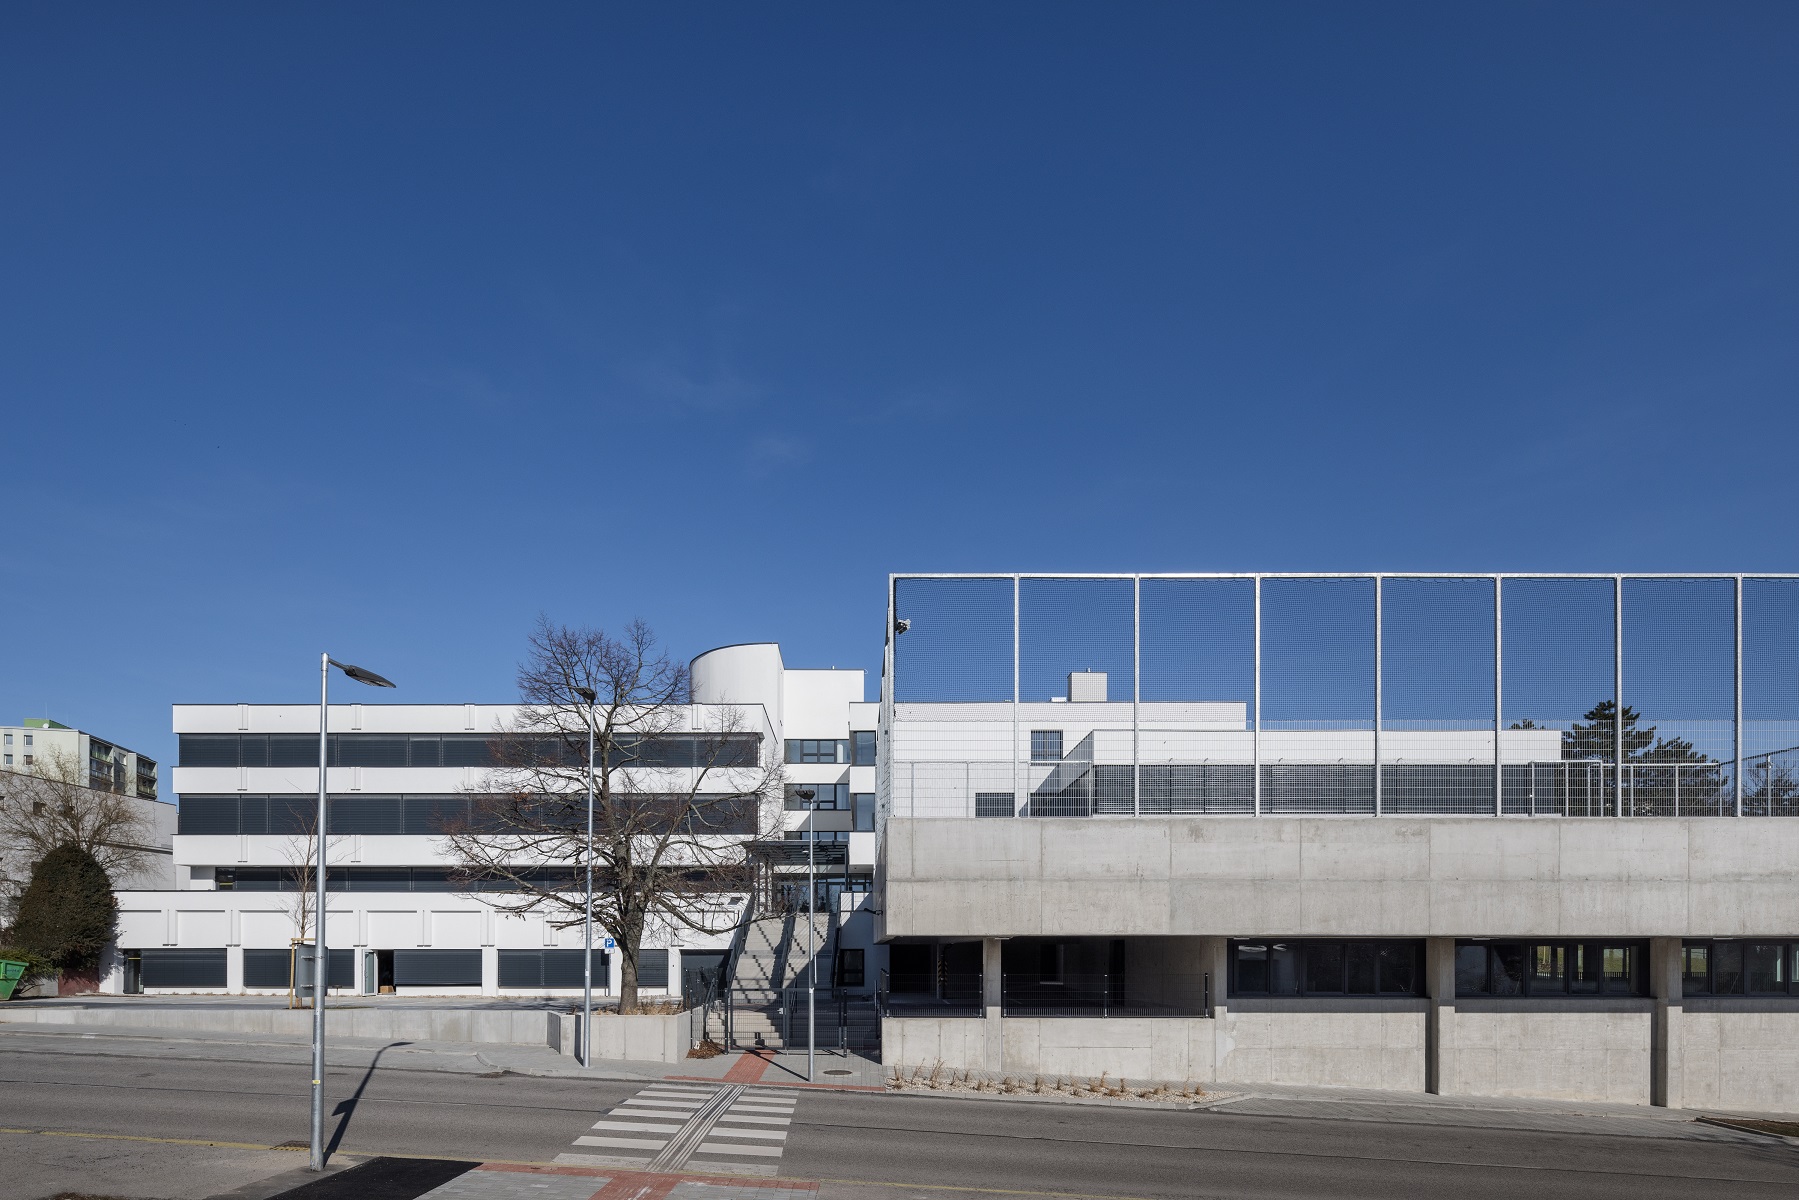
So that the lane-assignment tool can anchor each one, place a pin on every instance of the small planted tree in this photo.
(679, 791)
(67, 914)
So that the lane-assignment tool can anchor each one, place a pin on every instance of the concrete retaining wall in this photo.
(1368, 1044)
(640, 1038)
(514, 1027)
(1594, 1050)
(1729, 1056)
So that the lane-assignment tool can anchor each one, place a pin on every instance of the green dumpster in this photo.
(10, 974)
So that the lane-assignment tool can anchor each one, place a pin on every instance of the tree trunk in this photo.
(627, 976)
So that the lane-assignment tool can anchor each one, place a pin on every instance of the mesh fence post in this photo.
(1136, 692)
(1617, 695)
(1499, 698)
(1379, 670)
(1256, 739)
(1017, 790)
(1736, 731)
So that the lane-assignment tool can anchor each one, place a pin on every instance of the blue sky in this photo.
(385, 328)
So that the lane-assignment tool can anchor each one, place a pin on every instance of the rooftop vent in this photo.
(1085, 686)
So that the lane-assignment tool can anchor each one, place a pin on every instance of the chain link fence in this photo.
(1023, 696)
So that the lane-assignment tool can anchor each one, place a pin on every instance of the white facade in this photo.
(246, 768)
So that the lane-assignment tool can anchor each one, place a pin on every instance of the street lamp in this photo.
(810, 830)
(588, 695)
(320, 959)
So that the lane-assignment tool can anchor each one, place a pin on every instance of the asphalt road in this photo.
(204, 1092)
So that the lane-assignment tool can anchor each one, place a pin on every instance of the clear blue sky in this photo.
(383, 328)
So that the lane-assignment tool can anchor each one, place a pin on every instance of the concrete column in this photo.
(993, 1004)
(1665, 986)
(992, 999)
(490, 971)
(1439, 1027)
(1214, 960)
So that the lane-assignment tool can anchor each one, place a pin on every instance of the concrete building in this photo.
(48, 750)
(1373, 831)
(38, 741)
(401, 774)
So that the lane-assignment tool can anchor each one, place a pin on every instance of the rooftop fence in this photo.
(1122, 695)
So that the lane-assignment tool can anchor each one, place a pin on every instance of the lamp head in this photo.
(362, 674)
(586, 693)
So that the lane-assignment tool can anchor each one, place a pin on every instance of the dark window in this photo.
(851, 968)
(364, 814)
(1328, 967)
(652, 968)
(206, 750)
(1491, 968)
(1046, 745)
(184, 967)
(368, 751)
(862, 805)
(831, 796)
(206, 814)
(1739, 968)
(252, 751)
(993, 803)
(817, 750)
(437, 968)
(434, 814)
(862, 749)
(424, 752)
(271, 968)
(293, 750)
(466, 750)
(550, 969)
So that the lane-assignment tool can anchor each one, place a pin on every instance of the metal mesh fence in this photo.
(1096, 696)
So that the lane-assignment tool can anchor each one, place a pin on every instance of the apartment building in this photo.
(399, 776)
(73, 757)
(1499, 835)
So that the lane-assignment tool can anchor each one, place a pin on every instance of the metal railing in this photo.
(1350, 692)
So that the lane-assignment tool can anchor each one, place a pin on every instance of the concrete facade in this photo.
(1336, 877)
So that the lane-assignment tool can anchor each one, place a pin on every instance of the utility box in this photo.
(1087, 686)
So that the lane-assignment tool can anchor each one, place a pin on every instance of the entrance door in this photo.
(368, 972)
(134, 973)
(384, 970)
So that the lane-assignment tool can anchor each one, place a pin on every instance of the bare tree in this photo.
(678, 791)
(51, 805)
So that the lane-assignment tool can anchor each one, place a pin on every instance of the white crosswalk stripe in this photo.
(667, 1126)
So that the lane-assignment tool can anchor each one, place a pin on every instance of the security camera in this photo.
(900, 625)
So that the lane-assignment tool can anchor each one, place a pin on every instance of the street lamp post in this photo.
(320, 958)
(588, 695)
(810, 831)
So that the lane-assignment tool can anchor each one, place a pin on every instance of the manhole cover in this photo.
(839, 1072)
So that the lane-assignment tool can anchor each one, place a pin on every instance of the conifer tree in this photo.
(67, 914)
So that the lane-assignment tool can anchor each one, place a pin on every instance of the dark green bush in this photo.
(67, 914)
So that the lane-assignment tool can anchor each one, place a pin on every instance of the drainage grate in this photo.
(839, 1071)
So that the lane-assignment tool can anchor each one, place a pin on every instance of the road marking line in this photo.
(740, 1119)
(622, 1143)
(716, 1148)
(771, 1135)
(639, 1126)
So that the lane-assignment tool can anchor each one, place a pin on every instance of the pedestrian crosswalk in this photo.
(697, 1127)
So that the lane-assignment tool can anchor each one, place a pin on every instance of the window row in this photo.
(384, 879)
(856, 750)
(1559, 968)
(1739, 968)
(437, 815)
(206, 967)
(684, 750)
(1325, 967)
